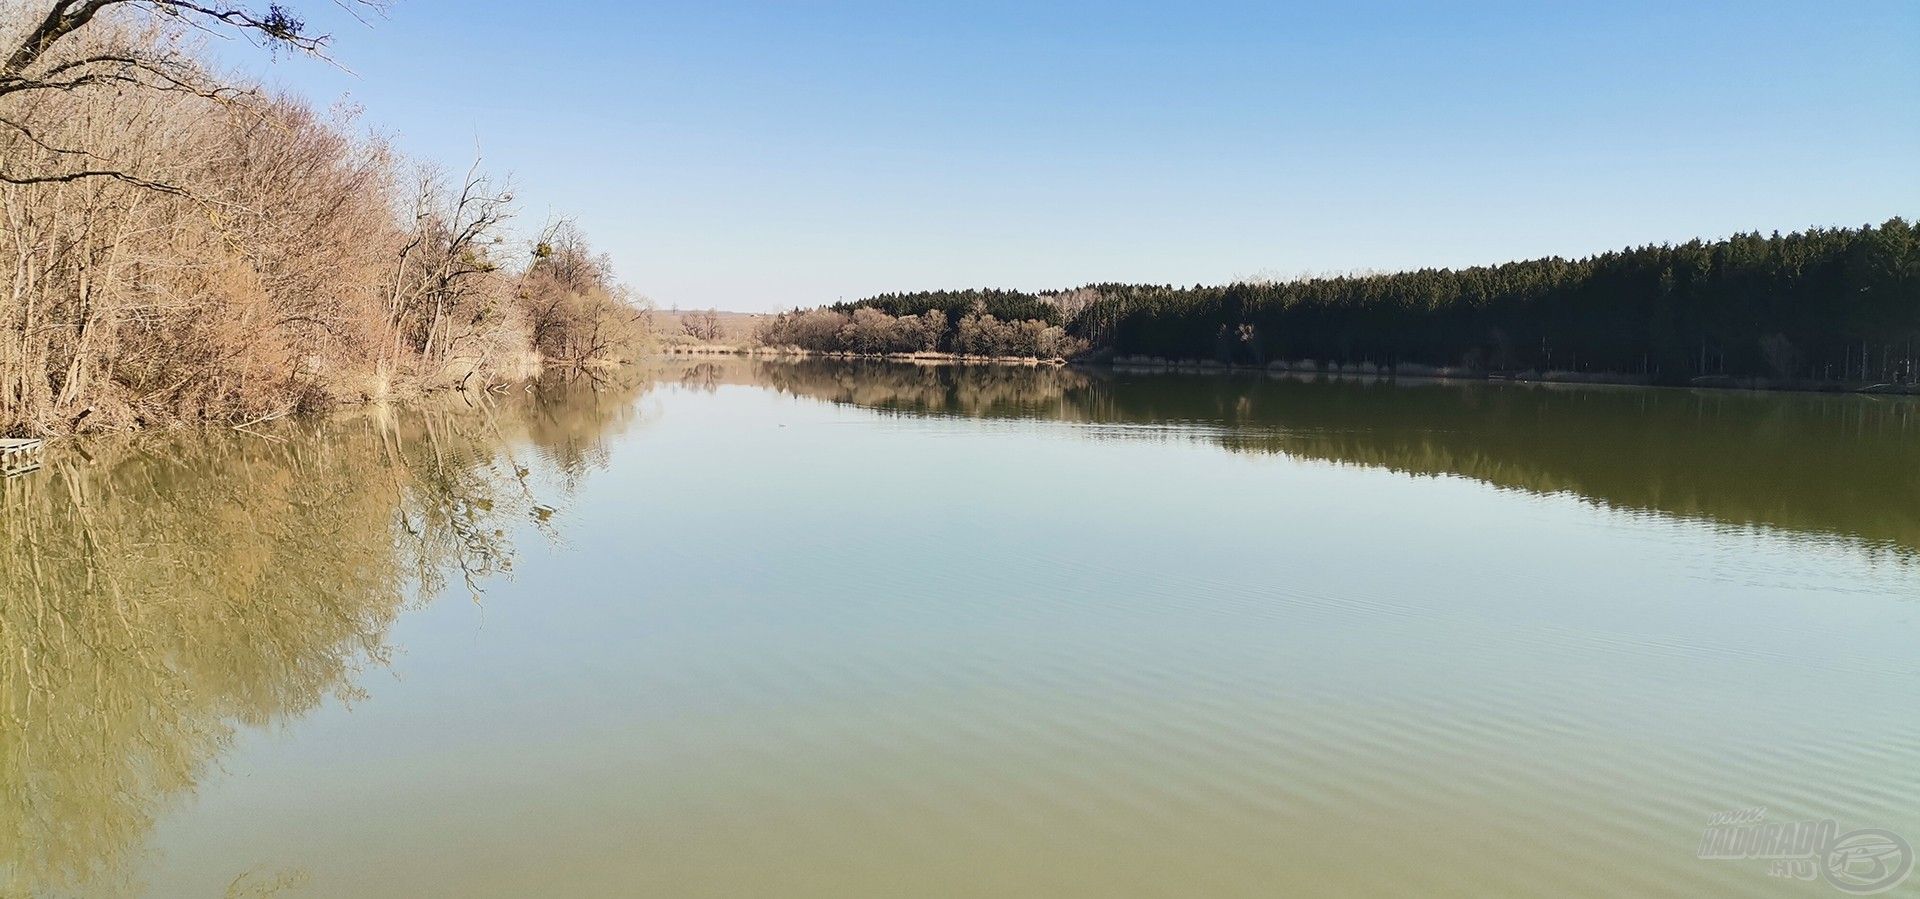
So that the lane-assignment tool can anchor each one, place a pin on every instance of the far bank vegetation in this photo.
(178, 244)
(1822, 308)
(969, 323)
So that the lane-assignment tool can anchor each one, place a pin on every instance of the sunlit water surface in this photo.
(756, 629)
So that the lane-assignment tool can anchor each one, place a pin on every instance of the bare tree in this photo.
(176, 248)
(578, 313)
(67, 46)
(703, 326)
(443, 272)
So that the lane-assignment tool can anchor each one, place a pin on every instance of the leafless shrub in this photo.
(579, 314)
(870, 332)
(89, 48)
(701, 326)
(980, 334)
(247, 294)
(258, 258)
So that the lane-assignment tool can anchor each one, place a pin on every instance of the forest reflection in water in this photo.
(165, 591)
(1809, 465)
(162, 590)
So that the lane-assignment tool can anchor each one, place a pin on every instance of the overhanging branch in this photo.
(69, 177)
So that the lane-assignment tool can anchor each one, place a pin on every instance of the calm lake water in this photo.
(830, 629)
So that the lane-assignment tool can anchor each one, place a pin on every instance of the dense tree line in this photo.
(1819, 305)
(1824, 304)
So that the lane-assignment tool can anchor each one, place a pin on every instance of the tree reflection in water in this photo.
(1814, 466)
(162, 590)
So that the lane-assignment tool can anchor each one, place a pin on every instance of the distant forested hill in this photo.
(1823, 304)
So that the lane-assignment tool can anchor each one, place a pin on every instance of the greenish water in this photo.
(847, 629)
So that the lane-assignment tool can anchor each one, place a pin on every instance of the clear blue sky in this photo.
(757, 156)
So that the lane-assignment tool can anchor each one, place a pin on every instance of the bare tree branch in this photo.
(35, 139)
(277, 26)
(36, 65)
(68, 177)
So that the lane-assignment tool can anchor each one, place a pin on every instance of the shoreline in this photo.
(918, 358)
(1308, 369)
(394, 394)
(1313, 369)
(1305, 370)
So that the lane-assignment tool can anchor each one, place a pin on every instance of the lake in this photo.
(751, 628)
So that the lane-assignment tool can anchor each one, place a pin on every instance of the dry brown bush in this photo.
(577, 313)
(247, 257)
(867, 331)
